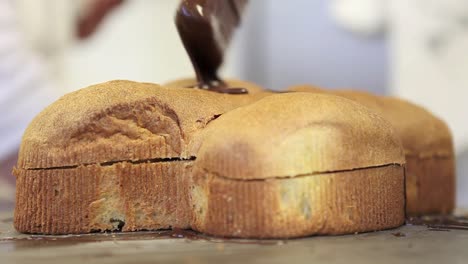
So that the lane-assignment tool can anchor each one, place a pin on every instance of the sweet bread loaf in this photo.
(428, 144)
(127, 156)
(114, 156)
(298, 164)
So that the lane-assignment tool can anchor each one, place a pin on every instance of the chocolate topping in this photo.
(440, 222)
(206, 28)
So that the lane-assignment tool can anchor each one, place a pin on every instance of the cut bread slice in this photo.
(429, 151)
(114, 156)
(298, 164)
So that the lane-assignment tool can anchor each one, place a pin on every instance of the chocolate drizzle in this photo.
(176, 233)
(440, 223)
(206, 28)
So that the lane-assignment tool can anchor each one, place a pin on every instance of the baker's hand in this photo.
(7, 182)
(94, 15)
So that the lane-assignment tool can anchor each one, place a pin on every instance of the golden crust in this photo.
(428, 145)
(123, 120)
(434, 141)
(408, 119)
(292, 134)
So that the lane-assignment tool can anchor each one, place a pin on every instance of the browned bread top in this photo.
(122, 121)
(422, 133)
(294, 134)
(189, 82)
(426, 135)
(306, 88)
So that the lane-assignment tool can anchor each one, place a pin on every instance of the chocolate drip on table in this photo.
(440, 222)
(32, 241)
(206, 28)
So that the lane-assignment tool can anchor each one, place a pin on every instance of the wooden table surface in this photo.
(408, 244)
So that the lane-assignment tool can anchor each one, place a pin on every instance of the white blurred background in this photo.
(414, 49)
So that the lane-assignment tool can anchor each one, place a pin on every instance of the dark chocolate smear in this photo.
(440, 222)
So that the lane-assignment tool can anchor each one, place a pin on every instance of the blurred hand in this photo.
(95, 14)
(7, 182)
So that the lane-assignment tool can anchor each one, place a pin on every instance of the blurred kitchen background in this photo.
(415, 49)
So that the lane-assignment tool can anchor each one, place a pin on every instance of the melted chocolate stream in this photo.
(206, 28)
